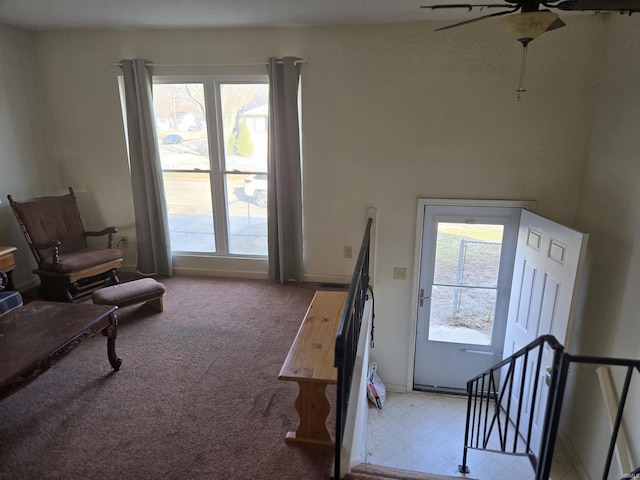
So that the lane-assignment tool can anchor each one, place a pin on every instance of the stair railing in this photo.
(632, 475)
(346, 347)
(630, 366)
(487, 425)
(500, 423)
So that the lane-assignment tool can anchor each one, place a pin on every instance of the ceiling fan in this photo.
(533, 21)
(530, 6)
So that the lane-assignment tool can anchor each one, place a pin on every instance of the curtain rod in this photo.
(241, 64)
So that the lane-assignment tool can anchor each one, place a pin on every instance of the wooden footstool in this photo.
(144, 290)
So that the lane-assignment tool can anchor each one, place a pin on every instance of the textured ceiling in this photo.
(83, 14)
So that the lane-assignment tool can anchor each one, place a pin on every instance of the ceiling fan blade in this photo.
(466, 22)
(468, 6)
(600, 5)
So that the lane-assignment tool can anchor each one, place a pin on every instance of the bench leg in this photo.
(313, 409)
(156, 303)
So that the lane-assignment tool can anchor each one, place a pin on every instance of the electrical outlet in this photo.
(124, 242)
(399, 273)
(348, 252)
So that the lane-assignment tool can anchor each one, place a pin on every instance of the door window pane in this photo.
(463, 296)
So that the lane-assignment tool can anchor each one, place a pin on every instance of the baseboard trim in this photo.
(565, 438)
(313, 278)
(395, 387)
(220, 273)
(444, 390)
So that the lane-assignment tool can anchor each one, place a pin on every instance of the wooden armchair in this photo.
(68, 269)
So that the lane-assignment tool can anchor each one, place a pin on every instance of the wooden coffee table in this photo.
(35, 337)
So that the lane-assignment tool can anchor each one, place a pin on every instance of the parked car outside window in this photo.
(256, 188)
(172, 139)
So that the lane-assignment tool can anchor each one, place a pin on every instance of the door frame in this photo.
(422, 203)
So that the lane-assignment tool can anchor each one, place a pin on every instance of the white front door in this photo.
(465, 275)
(547, 268)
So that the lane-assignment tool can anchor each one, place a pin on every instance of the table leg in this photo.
(10, 285)
(111, 332)
(313, 409)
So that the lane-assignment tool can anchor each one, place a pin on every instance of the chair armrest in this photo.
(105, 231)
(102, 232)
(53, 245)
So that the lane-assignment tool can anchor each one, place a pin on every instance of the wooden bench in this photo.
(310, 362)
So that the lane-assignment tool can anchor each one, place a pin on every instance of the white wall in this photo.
(390, 114)
(609, 209)
(26, 167)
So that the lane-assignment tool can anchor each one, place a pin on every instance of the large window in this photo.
(212, 135)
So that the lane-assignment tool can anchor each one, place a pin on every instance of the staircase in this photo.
(375, 472)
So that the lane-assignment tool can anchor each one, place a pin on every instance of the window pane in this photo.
(184, 153)
(247, 214)
(463, 294)
(245, 121)
(181, 125)
(468, 254)
(188, 197)
(462, 315)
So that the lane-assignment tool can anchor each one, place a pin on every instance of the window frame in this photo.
(218, 170)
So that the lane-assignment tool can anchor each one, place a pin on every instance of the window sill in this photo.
(220, 266)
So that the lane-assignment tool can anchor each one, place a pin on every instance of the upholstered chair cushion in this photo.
(81, 259)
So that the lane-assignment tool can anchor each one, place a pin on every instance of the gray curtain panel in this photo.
(154, 250)
(284, 172)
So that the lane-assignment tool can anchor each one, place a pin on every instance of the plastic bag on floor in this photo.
(376, 391)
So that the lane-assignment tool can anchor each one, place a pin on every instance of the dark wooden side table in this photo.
(37, 336)
(8, 264)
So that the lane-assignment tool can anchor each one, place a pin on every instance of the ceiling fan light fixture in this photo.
(527, 26)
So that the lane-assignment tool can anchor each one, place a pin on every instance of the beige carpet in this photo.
(197, 396)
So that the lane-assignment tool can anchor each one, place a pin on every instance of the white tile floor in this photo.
(425, 432)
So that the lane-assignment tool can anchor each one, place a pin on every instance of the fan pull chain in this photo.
(521, 89)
